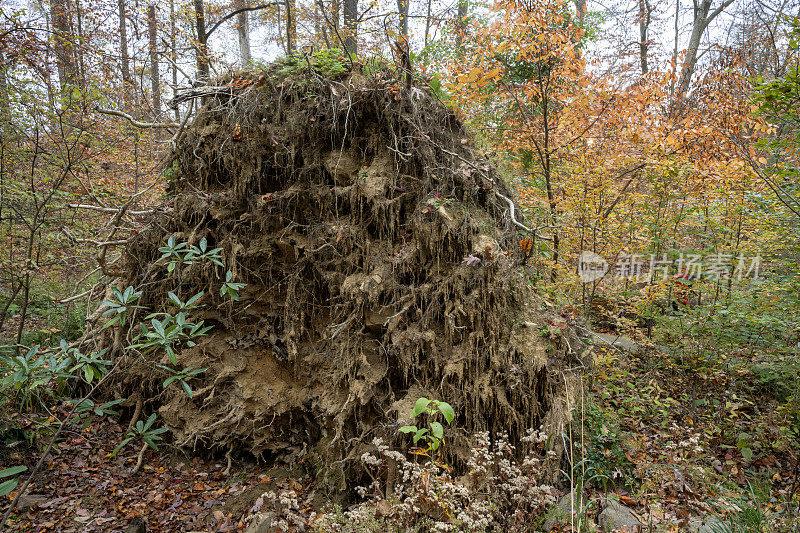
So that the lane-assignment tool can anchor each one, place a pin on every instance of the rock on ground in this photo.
(560, 514)
(709, 524)
(617, 517)
(263, 523)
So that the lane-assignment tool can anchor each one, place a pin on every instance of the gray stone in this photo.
(617, 517)
(262, 523)
(29, 501)
(617, 341)
(709, 524)
(559, 514)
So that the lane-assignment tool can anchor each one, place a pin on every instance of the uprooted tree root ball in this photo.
(382, 264)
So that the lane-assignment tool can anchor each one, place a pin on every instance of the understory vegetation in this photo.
(509, 274)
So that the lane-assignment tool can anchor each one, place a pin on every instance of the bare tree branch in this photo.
(236, 12)
(134, 122)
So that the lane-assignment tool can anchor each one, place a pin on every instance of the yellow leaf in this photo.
(471, 76)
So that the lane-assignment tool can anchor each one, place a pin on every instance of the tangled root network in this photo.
(382, 264)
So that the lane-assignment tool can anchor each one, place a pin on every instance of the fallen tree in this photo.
(382, 261)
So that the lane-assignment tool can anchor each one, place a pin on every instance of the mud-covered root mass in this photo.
(381, 265)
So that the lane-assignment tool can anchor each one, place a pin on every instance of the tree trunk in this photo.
(243, 30)
(64, 45)
(203, 72)
(291, 27)
(461, 26)
(702, 19)
(174, 55)
(336, 13)
(351, 26)
(580, 7)
(125, 65)
(402, 9)
(644, 25)
(675, 50)
(689, 62)
(548, 179)
(428, 22)
(154, 74)
(5, 111)
(77, 49)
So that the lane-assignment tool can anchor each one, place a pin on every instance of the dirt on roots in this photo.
(348, 204)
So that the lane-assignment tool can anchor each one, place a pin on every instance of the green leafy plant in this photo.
(433, 434)
(175, 253)
(144, 431)
(41, 376)
(168, 332)
(120, 306)
(92, 366)
(10, 484)
(230, 287)
(88, 407)
(31, 378)
(189, 304)
(604, 463)
(182, 377)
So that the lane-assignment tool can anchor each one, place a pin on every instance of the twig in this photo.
(76, 297)
(201, 92)
(236, 12)
(137, 411)
(110, 209)
(139, 460)
(227, 470)
(403, 310)
(133, 121)
(519, 224)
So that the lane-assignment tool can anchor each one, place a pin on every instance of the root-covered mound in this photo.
(381, 265)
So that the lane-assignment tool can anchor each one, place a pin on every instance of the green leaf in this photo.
(174, 299)
(150, 420)
(747, 454)
(448, 412)
(437, 430)
(8, 486)
(187, 389)
(408, 429)
(121, 445)
(12, 471)
(420, 406)
(194, 299)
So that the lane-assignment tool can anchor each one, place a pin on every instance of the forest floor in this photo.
(672, 438)
(680, 436)
(83, 489)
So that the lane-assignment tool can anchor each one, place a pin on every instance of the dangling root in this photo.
(381, 265)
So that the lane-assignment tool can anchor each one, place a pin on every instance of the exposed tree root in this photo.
(381, 265)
